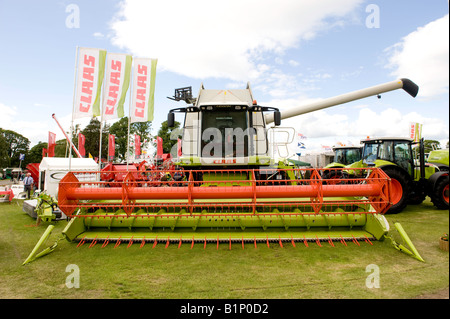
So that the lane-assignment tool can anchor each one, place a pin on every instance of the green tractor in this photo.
(343, 156)
(412, 178)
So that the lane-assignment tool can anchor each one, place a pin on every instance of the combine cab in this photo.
(227, 188)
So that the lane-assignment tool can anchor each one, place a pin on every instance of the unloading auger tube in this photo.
(409, 86)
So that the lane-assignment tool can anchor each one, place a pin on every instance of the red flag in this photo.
(44, 152)
(111, 147)
(81, 140)
(159, 146)
(51, 144)
(137, 145)
(179, 152)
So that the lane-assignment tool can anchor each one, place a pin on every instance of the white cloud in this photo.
(423, 56)
(98, 35)
(205, 38)
(36, 131)
(7, 113)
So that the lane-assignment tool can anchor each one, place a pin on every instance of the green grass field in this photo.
(167, 273)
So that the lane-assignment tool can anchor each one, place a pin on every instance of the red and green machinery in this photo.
(413, 177)
(225, 187)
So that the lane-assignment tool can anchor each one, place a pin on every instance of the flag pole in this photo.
(129, 111)
(73, 103)
(101, 130)
(107, 156)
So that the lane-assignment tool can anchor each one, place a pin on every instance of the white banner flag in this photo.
(117, 81)
(415, 131)
(142, 98)
(90, 71)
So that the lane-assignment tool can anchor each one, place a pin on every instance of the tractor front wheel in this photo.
(439, 195)
(399, 189)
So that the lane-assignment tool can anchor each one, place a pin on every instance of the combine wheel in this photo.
(439, 195)
(400, 186)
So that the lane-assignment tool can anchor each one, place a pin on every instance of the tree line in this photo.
(13, 144)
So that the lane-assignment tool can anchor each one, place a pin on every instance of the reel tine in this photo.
(118, 242)
(131, 242)
(330, 241)
(93, 242)
(167, 242)
(318, 241)
(142, 243)
(81, 243)
(355, 240)
(106, 242)
(343, 240)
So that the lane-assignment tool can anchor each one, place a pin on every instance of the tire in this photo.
(400, 186)
(439, 195)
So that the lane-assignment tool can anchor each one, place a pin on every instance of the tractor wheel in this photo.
(439, 195)
(400, 186)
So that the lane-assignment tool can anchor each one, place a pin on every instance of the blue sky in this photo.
(291, 52)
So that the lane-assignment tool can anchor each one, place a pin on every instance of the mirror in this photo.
(171, 119)
(277, 118)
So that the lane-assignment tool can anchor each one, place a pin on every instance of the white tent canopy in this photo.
(53, 169)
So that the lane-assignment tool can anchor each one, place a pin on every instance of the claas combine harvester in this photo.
(226, 188)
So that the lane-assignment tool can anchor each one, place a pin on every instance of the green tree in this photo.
(120, 130)
(16, 144)
(92, 134)
(429, 144)
(35, 153)
(4, 158)
(169, 135)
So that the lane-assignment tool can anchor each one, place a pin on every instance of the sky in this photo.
(292, 52)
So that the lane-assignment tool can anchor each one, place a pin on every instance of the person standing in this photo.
(28, 182)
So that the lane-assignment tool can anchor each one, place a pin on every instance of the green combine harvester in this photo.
(226, 188)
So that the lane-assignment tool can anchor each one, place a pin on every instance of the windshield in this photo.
(370, 153)
(347, 156)
(224, 133)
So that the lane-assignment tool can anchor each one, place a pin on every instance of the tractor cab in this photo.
(346, 155)
(343, 156)
(388, 151)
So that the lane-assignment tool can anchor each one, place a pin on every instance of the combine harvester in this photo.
(227, 189)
